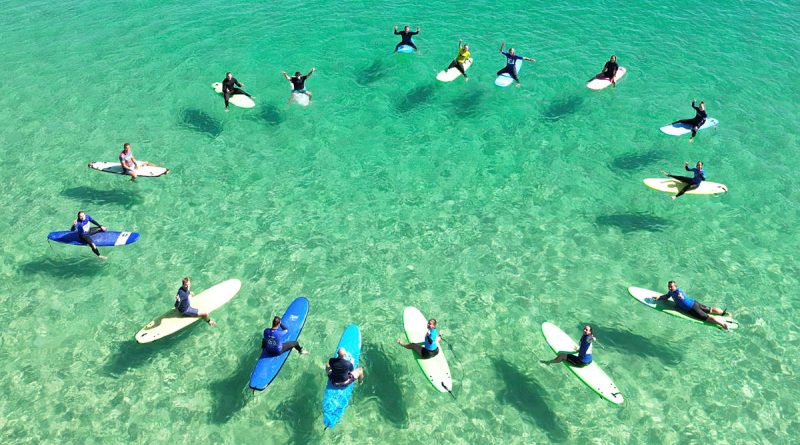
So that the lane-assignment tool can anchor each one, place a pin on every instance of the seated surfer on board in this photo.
(609, 71)
(693, 308)
(511, 62)
(81, 225)
(430, 347)
(273, 343)
(584, 356)
(298, 82)
(697, 121)
(229, 88)
(128, 162)
(458, 62)
(691, 183)
(183, 303)
(405, 36)
(340, 369)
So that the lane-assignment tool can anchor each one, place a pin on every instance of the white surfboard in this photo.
(301, 99)
(145, 171)
(240, 100)
(647, 297)
(172, 321)
(435, 368)
(670, 185)
(599, 84)
(453, 73)
(681, 129)
(504, 79)
(591, 374)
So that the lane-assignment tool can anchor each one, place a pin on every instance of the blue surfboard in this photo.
(405, 49)
(267, 367)
(504, 79)
(101, 239)
(337, 398)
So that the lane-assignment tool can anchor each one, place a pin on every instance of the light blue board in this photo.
(504, 79)
(336, 399)
(681, 129)
(405, 49)
(267, 368)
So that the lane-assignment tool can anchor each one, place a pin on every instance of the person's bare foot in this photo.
(675, 197)
(211, 322)
(102, 258)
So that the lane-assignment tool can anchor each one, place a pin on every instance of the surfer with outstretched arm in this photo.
(458, 62)
(697, 121)
(273, 343)
(693, 308)
(183, 303)
(430, 347)
(298, 82)
(405, 36)
(85, 232)
(609, 71)
(128, 162)
(691, 183)
(511, 62)
(229, 88)
(584, 356)
(340, 369)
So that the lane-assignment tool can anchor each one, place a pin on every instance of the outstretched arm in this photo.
(529, 59)
(502, 45)
(311, 72)
(416, 32)
(395, 30)
(459, 43)
(286, 75)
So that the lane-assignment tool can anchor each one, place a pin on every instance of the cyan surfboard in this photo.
(267, 368)
(337, 399)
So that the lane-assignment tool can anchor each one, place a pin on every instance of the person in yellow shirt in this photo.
(463, 56)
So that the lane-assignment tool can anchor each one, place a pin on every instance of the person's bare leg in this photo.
(413, 346)
(559, 358)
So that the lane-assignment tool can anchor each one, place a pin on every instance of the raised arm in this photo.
(459, 43)
(415, 32)
(395, 30)
(311, 72)
(286, 76)
(502, 45)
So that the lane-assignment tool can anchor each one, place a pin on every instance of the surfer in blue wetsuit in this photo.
(405, 36)
(430, 347)
(340, 369)
(85, 232)
(229, 88)
(584, 356)
(691, 183)
(511, 62)
(693, 308)
(183, 303)
(273, 343)
(609, 71)
(697, 121)
(298, 82)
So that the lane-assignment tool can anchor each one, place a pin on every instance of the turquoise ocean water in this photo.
(491, 209)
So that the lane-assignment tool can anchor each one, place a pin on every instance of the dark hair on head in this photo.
(228, 73)
(671, 282)
(434, 321)
(185, 279)
(591, 329)
(297, 73)
(126, 145)
(79, 212)
(276, 321)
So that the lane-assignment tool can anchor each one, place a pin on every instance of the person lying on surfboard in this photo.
(128, 162)
(229, 88)
(609, 71)
(691, 183)
(405, 36)
(697, 121)
(430, 347)
(584, 356)
(273, 343)
(693, 308)
(81, 225)
(183, 303)
(298, 82)
(511, 62)
(458, 62)
(340, 369)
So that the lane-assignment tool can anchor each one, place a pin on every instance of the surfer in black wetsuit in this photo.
(298, 82)
(405, 35)
(229, 88)
(697, 121)
(609, 71)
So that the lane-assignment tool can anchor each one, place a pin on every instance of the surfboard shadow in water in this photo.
(380, 385)
(636, 161)
(232, 394)
(296, 411)
(631, 343)
(72, 266)
(634, 222)
(469, 104)
(271, 115)
(527, 396)
(561, 108)
(132, 355)
(110, 196)
(415, 97)
(201, 121)
(371, 74)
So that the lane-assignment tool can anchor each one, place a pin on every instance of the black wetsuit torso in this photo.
(298, 83)
(701, 114)
(228, 85)
(340, 370)
(406, 36)
(610, 69)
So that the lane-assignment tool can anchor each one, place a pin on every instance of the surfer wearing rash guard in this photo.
(273, 343)
(693, 308)
(584, 356)
(691, 183)
(511, 62)
(85, 232)
(430, 347)
(298, 82)
(405, 35)
(229, 88)
(697, 121)
(609, 71)
(183, 303)
(128, 162)
(458, 62)
(340, 369)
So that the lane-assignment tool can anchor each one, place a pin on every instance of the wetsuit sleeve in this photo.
(695, 107)
(396, 32)
(236, 82)
(413, 33)
(96, 223)
(72, 229)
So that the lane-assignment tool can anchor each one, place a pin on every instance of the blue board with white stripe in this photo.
(268, 367)
(337, 399)
(101, 239)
